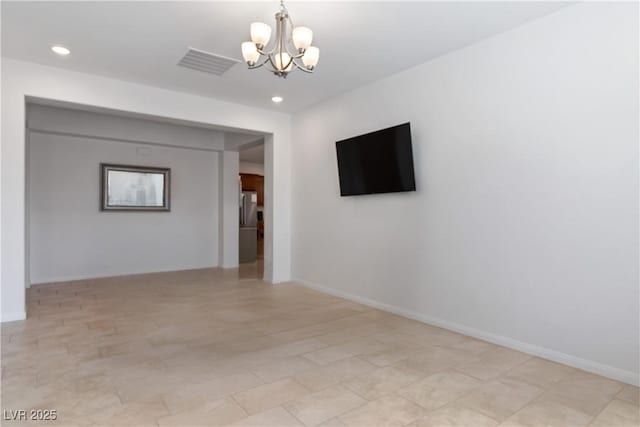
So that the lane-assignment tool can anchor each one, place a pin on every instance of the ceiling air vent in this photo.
(206, 62)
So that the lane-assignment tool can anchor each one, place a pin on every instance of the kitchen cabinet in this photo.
(253, 182)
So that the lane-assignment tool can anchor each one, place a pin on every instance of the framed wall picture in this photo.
(134, 188)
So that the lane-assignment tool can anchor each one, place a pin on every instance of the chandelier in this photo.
(279, 59)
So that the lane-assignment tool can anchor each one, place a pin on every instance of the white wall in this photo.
(524, 226)
(88, 123)
(229, 199)
(22, 79)
(250, 167)
(70, 238)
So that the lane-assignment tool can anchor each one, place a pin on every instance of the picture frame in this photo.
(134, 188)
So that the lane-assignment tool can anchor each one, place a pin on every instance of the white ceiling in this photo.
(253, 154)
(359, 42)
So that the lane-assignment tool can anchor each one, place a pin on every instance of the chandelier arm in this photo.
(288, 63)
(290, 35)
(273, 65)
(301, 67)
(290, 20)
(273, 42)
(290, 40)
(282, 42)
(258, 66)
(264, 52)
(296, 55)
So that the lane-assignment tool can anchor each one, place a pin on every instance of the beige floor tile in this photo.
(500, 399)
(364, 346)
(275, 417)
(220, 412)
(176, 346)
(283, 368)
(629, 394)
(31, 397)
(333, 373)
(87, 403)
(493, 363)
(455, 416)
(183, 397)
(544, 412)
(131, 414)
(539, 372)
(99, 381)
(434, 359)
(305, 332)
(439, 389)
(386, 411)
(333, 422)
(349, 334)
(431, 335)
(345, 350)
(267, 396)
(324, 405)
(143, 389)
(584, 392)
(380, 382)
(393, 355)
(293, 348)
(398, 339)
(618, 413)
(473, 346)
(74, 407)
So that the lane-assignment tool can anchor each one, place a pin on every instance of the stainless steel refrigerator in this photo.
(248, 241)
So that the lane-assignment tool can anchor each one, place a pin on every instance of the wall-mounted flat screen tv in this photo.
(376, 162)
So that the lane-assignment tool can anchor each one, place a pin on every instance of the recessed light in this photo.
(277, 99)
(61, 50)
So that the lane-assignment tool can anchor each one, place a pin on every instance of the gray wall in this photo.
(70, 238)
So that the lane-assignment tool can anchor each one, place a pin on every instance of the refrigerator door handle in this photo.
(242, 208)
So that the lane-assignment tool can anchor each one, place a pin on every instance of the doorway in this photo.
(113, 136)
(252, 191)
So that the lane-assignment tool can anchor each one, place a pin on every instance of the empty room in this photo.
(320, 213)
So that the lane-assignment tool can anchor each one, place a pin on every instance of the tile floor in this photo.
(207, 347)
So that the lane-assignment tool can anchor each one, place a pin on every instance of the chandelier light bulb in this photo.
(311, 57)
(250, 52)
(302, 37)
(260, 33)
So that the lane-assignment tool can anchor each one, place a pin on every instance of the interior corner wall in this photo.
(524, 226)
(71, 238)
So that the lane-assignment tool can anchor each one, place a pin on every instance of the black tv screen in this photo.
(376, 162)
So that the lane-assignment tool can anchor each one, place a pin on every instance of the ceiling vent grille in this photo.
(206, 62)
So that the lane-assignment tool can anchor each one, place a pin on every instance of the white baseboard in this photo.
(612, 372)
(109, 275)
(12, 317)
